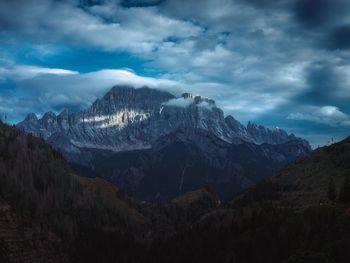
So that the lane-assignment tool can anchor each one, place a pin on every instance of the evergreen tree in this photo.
(344, 194)
(331, 190)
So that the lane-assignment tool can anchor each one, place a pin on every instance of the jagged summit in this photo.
(49, 117)
(127, 97)
(261, 134)
(187, 95)
(31, 117)
(198, 99)
(64, 113)
(126, 118)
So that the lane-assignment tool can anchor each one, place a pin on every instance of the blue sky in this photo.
(278, 63)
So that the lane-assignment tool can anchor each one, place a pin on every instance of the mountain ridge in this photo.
(126, 118)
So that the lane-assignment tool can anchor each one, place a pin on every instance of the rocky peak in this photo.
(234, 124)
(254, 126)
(260, 134)
(49, 116)
(126, 97)
(31, 117)
(187, 95)
(126, 118)
(64, 114)
(198, 99)
(63, 120)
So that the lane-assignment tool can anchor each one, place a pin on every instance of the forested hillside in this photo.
(40, 191)
(48, 214)
(319, 179)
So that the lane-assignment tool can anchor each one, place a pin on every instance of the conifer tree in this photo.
(344, 194)
(331, 190)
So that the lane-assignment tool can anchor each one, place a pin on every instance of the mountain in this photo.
(127, 119)
(158, 146)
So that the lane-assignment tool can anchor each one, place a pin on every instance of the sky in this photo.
(281, 63)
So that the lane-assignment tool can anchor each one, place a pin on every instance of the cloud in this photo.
(179, 102)
(328, 115)
(324, 22)
(140, 3)
(106, 26)
(340, 38)
(326, 82)
(320, 13)
(21, 72)
(185, 102)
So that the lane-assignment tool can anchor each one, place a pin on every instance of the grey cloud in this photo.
(178, 102)
(326, 84)
(319, 13)
(324, 22)
(328, 115)
(140, 3)
(62, 21)
(340, 38)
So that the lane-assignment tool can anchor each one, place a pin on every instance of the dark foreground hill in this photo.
(321, 178)
(48, 214)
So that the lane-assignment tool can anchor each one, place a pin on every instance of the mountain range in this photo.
(158, 145)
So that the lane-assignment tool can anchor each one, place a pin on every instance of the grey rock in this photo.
(128, 119)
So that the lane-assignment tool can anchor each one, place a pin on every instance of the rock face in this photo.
(146, 120)
(129, 119)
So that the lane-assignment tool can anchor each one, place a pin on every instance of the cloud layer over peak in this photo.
(42, 89)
